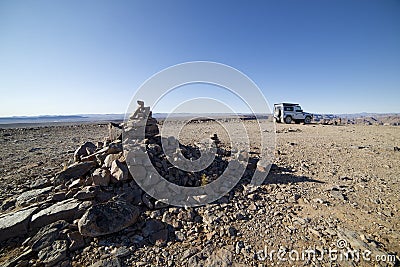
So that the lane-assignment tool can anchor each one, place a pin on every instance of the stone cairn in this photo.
(142, 120)
(97, 196)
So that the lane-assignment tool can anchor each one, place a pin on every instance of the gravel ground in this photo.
(328, 185)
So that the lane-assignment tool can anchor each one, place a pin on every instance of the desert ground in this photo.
(331, 189)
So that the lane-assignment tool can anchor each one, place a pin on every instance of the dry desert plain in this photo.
(331, 188)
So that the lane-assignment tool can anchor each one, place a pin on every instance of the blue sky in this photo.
(75, 57)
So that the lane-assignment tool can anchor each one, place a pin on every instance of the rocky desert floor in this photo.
(331, 198)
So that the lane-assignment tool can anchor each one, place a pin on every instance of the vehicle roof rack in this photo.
(287, 104)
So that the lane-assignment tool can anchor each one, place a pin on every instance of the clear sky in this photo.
(76, 57)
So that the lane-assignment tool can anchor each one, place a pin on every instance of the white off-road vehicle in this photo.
(288, 112)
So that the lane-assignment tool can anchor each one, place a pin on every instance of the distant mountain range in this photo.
(61, 118)
(98, 117)
(366, 114)
(120, 117)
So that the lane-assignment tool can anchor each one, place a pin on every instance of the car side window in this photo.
(288, 108)
(298, 109)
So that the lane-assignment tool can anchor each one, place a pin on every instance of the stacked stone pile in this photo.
(97, 196)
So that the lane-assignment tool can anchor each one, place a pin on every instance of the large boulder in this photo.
(107, 218)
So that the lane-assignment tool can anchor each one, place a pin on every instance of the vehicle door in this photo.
(298, 113)
(289, 111)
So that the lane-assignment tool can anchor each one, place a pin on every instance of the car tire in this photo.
(288, 119)
(307, 120)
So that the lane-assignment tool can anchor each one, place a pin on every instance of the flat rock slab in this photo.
(67, 210)
(75, 171)
(33, 196)
(107, 218)
(15, 223)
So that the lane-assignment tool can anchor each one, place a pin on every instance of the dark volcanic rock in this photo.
(156, 232)
(53, 254)
(47, 235)
(76, 241)
(115, 148)
(152, 226)
(9, 204)
(107, 218)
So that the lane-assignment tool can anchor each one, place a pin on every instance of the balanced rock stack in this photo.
(141, 123)
(215, 139)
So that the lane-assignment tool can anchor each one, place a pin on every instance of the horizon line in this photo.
(166, 113)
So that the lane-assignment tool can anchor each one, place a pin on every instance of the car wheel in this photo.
(307, 120)
(288, 120)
